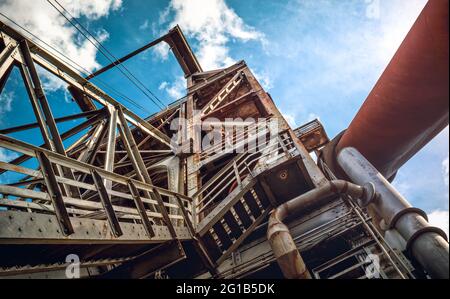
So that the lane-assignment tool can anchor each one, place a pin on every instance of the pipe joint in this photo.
(369, 196)
(278, 235)
(422, 231)
(285, 250)
(403, 212)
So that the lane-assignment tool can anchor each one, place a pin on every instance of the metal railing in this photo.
(250, 163)
(129, 201)
(235, 137)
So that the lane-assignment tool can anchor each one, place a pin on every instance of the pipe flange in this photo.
(412, 210)
(428, 229)
(368, 196)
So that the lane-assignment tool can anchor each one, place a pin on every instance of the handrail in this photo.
(239, 167)
(115, 210)
(30, 150)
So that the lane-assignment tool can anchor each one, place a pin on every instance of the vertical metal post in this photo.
(55, 193)
(141, 209)
(236, 173)
(111, 144)
(106, 202)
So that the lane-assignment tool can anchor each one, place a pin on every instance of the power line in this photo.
(75, 65)
(98, 45)
(83, 70)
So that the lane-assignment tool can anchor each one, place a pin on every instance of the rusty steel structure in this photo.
(134, 198)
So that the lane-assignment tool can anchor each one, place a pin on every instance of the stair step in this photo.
(213, 249)
(233, 225)
(223, 236)
(261, 195)
(252, 204)
(242, 214)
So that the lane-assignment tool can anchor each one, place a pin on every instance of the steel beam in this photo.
(147, 263)
(56, 141)
(42, 99)
(54, 65)
(126, 57)
(111, 144)
(18, 228)
(57, 120)
(55, 193)
(106, 202)
(141, 209)
(71, 132)
(6, 62)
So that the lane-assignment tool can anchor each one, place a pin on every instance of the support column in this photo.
(141, 169)
(111, 144)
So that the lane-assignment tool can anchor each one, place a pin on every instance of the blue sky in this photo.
(317, 58)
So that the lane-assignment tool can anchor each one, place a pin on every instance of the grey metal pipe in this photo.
(280, 239)
(427, 244)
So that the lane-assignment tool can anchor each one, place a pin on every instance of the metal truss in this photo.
(125, 182)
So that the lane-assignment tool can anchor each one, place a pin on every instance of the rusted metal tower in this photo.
(135, 198)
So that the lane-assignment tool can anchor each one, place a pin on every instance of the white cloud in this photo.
(162, 50)
(346, 55)
(44, 21)
(439, 218)
(6, 99)
(163, 85)
(7, 155)
(294, 121)
(264, 79)
(213, 24)
(306, 118)
(445, 170)
(91, 9)
(175, 90)
(144, 25)
(403, 187)
(311, 117)
(290, 118)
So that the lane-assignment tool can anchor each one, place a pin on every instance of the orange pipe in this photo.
(410, 102)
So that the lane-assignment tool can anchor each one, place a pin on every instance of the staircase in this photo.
(236, 200)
